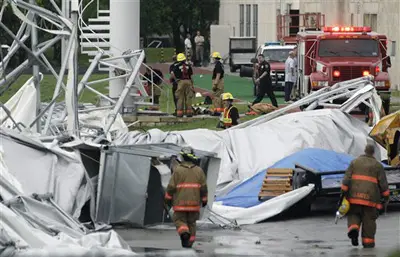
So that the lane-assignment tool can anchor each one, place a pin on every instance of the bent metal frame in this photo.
(129, 62)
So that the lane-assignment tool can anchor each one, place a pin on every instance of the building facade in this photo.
(258, 18)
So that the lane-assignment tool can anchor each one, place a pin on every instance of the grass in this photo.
(155, 55)
(47, 87)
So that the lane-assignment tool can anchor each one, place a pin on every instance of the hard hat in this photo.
(181, 57)
(188, 152)
(344, 207)
(227, 96)
(198, 94)
(216, 55)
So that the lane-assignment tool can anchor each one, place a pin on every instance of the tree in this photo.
(169, 17)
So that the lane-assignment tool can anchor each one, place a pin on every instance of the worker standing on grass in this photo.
(264, 82)
(173, 82)
(365, 187)
(218, 83)
(230, 116)
(182, 73)
(186, 193)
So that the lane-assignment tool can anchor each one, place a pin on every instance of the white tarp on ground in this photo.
(246, 151)
(265, 210)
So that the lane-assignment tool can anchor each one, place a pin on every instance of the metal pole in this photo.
(74, 36)
(120, 102)
(60, 78)
(36, 82)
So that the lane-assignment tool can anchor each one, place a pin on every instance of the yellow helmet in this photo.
(344, 207)
(227, 96)
(216, 55)
(181, 57)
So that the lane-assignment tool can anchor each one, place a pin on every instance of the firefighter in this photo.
(187, 193)
(173, 81)
(365, 187)
(230, 115)
(218, 83)
(182, 73)
(264, 82)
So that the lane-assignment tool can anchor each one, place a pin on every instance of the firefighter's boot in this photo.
(353, 235)
(185, 240)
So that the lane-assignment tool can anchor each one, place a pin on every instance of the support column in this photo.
(64, 41)
(124, 35)
(36, 79)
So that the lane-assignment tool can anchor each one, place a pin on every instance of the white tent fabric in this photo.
(244, 152)
(265, 210)
(44, 171)
(22, 106)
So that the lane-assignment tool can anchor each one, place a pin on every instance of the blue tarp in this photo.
(246, 194)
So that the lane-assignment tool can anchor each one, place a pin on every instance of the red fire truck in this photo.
(337, 54)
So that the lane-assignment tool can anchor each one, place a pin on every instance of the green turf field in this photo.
(241, 88)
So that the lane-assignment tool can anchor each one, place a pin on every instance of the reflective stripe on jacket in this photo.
(365, 182)
(226, 117)
(187, 188)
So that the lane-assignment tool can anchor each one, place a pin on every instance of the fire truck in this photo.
(337, 54)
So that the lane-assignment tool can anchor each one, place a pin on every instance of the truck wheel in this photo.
(233, 68)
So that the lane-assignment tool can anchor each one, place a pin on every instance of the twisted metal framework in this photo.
(129, 62)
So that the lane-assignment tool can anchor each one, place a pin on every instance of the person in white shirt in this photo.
(290, 75)
(293, 95)
(199, 41)
(188, 47)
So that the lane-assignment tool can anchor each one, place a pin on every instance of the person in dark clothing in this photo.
(155, 80)
(264, 82)
(173, 81)
(183, 73)
(218, 83)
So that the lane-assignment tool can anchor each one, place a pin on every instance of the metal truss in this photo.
(127, 65)
(356, 91)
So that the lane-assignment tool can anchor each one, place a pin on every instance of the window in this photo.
(241, 21)
(348, 48)
(255, 20)
(371, 20)
(248, 20)
(277, 55)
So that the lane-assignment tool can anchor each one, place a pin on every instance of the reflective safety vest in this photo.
(226, 117)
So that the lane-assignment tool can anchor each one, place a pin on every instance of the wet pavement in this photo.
(316, 235)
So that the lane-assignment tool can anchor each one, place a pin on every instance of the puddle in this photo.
(311, 241)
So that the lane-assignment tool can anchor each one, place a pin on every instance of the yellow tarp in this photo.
(386, 128)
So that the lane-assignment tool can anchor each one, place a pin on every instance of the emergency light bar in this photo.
(347, 29)
(272, 44)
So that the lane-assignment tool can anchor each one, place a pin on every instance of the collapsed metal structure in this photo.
(126, 66)
(357, 91)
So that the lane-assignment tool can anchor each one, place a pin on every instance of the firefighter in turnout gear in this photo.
(218, 83)
(187, 193)
(182, 73)
(365, 187)
(230, 115)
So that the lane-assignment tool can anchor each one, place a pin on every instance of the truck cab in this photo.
(338, 54)
(276, 54)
